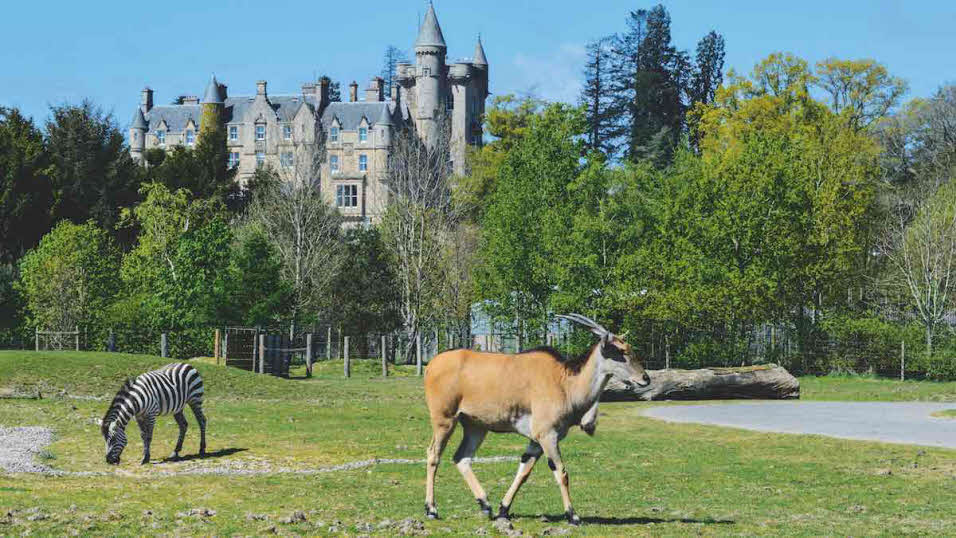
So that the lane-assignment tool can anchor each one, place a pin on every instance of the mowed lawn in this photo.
(637, 476)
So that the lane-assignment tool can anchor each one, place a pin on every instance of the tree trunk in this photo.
(929, 340)
(765, 382)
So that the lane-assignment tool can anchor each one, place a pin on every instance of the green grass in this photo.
(637, 476)
(947, 413)
(862, 388)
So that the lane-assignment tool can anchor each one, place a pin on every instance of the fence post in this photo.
(348, 366)
(36, 337)
(77, 337)
(262, 354)
(163, 346)
(384, 361)
(215, 345)
(328, 343)
(308, 354)
(902, 360)
(111, 343)
(418, 354)
(225, 346)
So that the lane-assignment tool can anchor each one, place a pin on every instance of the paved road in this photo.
(891, 422)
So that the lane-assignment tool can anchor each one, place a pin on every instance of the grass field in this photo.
(637, 476)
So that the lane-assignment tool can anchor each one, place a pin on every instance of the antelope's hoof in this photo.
(573, 518)
(485, 507)
(503, 512)
(431, 513)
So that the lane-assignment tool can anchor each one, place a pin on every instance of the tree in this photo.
(256, 294)
(528, 217)
(708, 70)
(861, 90)
(70, 278)
(91, 171)
(603, 112)
(420, 214)
(393, 57)
(302, 228)
(25, 193)
(335, 91)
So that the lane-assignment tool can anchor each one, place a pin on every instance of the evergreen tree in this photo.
(603, 113)
(393, 56)
(25, 194)
(335, 90)
(709, 71)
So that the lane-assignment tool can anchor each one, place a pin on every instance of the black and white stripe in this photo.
(160, 392)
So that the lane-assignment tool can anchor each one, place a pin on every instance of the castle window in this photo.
(233, 159)
(190, 137)
(233, 133)
(363, 134)
(260, 132)
(135, 135)
(334, 163)
(286, 159)
(346, 195)
(260, 158)
(161, 138)
(334, 134)
(363, 162)
(287, 132)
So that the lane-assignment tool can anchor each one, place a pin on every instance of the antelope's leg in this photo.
(473, 436)
(549, 443)
(528, 459)
(442, 429)
(589, 420)
(146, 424)
(181, 420)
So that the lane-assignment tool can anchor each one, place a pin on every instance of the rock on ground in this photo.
(20, 445)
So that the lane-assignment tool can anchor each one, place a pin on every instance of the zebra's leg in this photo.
(146, 424)
(196, 406)
(181, 420)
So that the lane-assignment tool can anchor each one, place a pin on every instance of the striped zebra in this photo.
(160, 392)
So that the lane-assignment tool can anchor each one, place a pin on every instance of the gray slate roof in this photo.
(176, 116)
(212, 92)
(350, 114)
(429, 35)
(139, 122)
(480, 54)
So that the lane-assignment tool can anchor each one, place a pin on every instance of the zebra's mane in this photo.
(113, 410)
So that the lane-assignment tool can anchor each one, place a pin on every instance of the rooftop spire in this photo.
(480, 53)
(212, 92)
(139, 121)
(429, 35)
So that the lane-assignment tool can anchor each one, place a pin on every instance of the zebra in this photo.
(160, 392)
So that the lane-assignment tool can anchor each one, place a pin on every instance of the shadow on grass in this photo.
(593, 520)
(209, 455)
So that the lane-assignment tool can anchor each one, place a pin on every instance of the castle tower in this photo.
(430, 76)
(212, 108)
(137, 136)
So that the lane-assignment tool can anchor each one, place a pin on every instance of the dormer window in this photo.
(287, 132)
(161, 138)
(334, 163)
(363, 162)
(233, 133)
(363, 134)
(260, 132)
(334, 134)
(190, 137)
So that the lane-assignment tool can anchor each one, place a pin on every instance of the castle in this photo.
(268, 129)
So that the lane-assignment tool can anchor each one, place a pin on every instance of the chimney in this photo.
(308, 89)
(146, 99)
(261, 88)
(375, 90)
(223, 91)
(324, 84)
(353, 92)
(394, 95)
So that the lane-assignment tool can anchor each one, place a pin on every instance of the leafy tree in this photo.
(25, 193)
(862, 91)
(91, 171)
(365, 291)
(256, 294)
(70, 278)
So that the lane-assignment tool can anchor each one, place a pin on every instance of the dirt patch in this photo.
(20, 446)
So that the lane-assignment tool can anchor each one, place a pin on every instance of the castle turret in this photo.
(137, 135)
(212, 108)
(430, 50)
(383, 127)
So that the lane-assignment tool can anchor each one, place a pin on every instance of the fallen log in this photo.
(763, 382)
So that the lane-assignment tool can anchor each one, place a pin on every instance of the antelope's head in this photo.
(617, 356)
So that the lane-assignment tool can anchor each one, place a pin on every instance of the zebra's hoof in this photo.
(145, 461)
(173, 457)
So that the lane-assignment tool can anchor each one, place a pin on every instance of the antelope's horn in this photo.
(587, 322)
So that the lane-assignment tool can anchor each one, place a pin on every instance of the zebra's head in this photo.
(113, 427)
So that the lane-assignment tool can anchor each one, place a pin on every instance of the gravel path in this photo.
(19, 446)
(890, 422)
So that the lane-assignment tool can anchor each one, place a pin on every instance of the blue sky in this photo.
(59, 51)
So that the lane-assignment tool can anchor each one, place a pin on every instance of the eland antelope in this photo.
(533, 393)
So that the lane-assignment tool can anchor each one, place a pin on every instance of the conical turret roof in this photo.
(429, 35)
(139, 121)
(480, 54)
(212, 92)
(385, 118)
